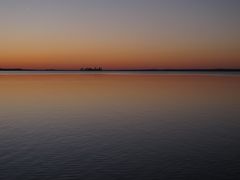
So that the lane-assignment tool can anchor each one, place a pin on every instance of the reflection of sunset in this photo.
(119, 124)
(72, 88)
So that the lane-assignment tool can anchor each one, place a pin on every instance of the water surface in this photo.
(119, 126)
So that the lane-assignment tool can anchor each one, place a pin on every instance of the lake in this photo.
(119, 125)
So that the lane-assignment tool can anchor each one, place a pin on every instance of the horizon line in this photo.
(134, 69)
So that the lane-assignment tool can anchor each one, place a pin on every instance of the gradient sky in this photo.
(120, 33)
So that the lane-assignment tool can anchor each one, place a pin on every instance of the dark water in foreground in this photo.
(119, 126)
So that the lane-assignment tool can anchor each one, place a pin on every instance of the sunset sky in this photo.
(120, 34)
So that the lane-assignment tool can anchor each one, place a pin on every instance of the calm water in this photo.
(119, 126)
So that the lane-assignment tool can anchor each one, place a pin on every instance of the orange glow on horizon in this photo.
(146, 34)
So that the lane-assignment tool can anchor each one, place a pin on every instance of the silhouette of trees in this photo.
(91, 69)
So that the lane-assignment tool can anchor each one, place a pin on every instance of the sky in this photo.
(120, 34)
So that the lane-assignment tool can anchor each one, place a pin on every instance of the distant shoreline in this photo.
(123, 70)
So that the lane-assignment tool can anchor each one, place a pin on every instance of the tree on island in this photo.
(91, 69)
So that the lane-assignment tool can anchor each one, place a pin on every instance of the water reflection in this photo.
(109, 126)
